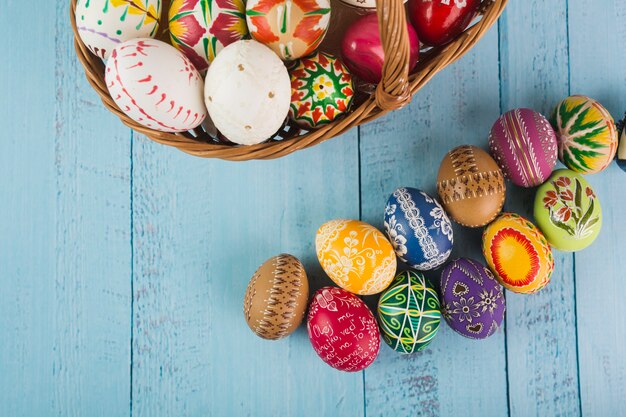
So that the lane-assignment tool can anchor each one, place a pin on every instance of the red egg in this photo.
(362, 49)
(437, 22)
(342, 330)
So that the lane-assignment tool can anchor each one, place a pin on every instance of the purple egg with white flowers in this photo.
(418, 228)
(472, 301)
(524, 145)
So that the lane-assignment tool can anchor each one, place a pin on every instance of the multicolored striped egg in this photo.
(202, 28)
(418, 228)
(567, 211)
(518, 253)
(586, 134)
(409, 313)
(524, 145)
(471, 186)
(356, 256)
(105, 24)
(472, 300)
(321, 90)
(291, 28)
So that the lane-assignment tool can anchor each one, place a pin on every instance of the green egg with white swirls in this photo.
(409, 313)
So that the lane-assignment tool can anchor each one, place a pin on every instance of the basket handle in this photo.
(393, 92)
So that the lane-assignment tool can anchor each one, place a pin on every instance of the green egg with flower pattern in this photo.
(567, 211)
(409, 312)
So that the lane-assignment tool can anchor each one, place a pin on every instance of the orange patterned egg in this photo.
(356, 256)
(518, 254)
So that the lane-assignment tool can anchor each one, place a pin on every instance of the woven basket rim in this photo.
(395, 90)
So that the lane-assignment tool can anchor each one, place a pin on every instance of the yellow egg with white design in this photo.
(356, 256)
(105, 24)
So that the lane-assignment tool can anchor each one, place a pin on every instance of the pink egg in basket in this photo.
(362, 49)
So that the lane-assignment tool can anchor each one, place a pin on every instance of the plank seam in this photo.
(358, 142)
(132, 273)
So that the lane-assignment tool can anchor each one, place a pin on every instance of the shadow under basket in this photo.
(396, 89)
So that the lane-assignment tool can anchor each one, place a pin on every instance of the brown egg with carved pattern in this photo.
(276, 297)
(471, 186)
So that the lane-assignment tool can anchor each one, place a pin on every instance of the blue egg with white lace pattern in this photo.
(419, 229)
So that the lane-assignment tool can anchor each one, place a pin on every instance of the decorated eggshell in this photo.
(105, 24)
(471, 186)
(362, 49)
(524, 145)
(276, 297)
(291, 28)
(321, 90)
(586, 134)
(518, 254)
(362, 4)
(418, 228)
(342, 330)
(621, 151)
(202, 28)
(568, 211)
(356, 256)
(472, 300)
(409, 313)
(439, 21)
(156, 85)
(247, 92)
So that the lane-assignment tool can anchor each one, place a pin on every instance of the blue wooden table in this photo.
(123, 263)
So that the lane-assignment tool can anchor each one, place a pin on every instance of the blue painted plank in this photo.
(598, 69)
(454, 375)
(64, 245)
(541, 328)
(201, 228)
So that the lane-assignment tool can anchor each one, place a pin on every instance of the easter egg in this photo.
(418, 228)
(362, 49)
(471, 186)
(156, 85)
(247, 92)
(524, 145)
(472, 300)
(321, 90)
(276, 297)
(518, 253)
(621, 151)
(568, 211)
(356, 256)
(437, 22)
(292, 28)
(409, 313)
(202, 28)
(586, 134)
(362, 4)
(105, 24)
(342, 330)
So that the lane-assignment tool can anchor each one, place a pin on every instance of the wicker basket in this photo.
(395, 90)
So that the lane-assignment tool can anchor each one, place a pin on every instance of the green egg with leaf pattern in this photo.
(567, 211)
(409, 312)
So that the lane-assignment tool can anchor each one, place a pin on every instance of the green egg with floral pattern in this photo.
(567, 211)
(409, 312)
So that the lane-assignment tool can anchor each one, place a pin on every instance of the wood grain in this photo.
(598, 69)
(201, 228)
(405, 149)
(541, 328)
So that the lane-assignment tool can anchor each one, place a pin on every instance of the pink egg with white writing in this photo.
(342, 330)
(156, 85)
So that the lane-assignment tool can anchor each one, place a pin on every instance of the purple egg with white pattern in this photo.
(472, 301)
(524, 145)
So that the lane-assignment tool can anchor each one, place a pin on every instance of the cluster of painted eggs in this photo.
(225, 66)
(418, 233)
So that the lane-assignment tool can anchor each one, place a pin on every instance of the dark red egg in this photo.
(342, 330)
(362, 49)
(437, 22)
